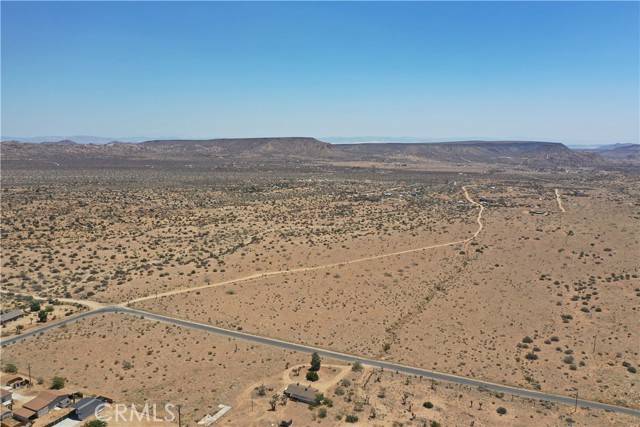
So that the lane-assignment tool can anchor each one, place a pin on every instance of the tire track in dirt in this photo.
(559, 200)
(323, 266)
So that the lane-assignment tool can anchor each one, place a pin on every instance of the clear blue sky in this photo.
(556, 71)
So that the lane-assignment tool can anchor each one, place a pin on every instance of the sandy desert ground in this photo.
(545, 296)
(524, 304)
(136, 360)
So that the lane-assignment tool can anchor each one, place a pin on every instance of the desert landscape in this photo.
(514, 273)
(295, 214)
(209, 369)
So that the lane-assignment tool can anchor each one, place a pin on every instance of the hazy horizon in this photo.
(369, 139)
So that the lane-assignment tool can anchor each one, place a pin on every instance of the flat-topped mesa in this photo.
(538, 154)
(532, 153)
(281, 146)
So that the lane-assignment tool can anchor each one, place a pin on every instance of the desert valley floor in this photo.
(519, 277)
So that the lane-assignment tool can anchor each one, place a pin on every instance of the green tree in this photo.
(42, 316)
(315, 362)
(95, 423)
(57, 383)
(35, 306)
(312, 376)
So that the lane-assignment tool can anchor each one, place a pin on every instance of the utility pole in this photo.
(179, 418)
(575, 409)
(30, 382)
(595, 337)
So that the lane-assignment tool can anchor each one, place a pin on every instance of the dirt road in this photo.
(559, 200)
(323, 266)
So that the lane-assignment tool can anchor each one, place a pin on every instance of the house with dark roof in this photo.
(17, 382)
(87, 407)
(301, 393)
(10, 315)
(6, 397)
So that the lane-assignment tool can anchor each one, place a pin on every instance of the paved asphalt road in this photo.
(522, 392)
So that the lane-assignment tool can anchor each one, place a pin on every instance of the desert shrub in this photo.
(351, 418)
(527, 340)
(501, 410)
(10, 368)
(428, 405)
(322, 413)
(339, 391)
(57, 383)
(95, 423)
(356, 366)
(531, 356)
(262, 390)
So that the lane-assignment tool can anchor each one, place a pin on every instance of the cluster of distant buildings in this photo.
(50, 408)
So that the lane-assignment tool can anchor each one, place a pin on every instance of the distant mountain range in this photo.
(536, 154)
(628, 152)
(79, 139)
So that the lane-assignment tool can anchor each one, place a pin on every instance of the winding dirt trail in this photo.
(323, 266)
(559, 200)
